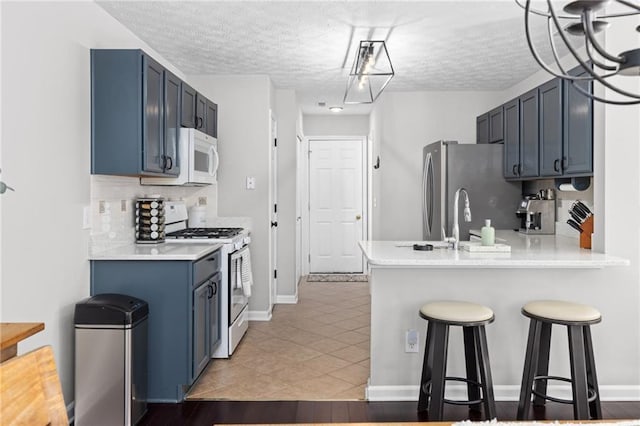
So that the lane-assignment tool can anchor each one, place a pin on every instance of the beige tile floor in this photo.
(317, 349)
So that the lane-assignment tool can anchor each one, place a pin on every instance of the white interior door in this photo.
(274, 211)
(336, 193)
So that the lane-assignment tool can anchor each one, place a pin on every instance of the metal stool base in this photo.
(584, 383)
(433, 379)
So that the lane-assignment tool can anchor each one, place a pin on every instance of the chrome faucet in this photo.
(455, 236)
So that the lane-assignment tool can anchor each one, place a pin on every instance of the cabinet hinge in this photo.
(275, 208)
(275, 273)
(275, 142)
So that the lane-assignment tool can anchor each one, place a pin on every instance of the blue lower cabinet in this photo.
(179, 317)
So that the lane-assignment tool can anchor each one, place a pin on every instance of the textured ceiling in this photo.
(302, 45)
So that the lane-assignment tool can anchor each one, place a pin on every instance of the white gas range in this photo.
(234, 293)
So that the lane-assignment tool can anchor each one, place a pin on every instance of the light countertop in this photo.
(527, 251)
(162, 251)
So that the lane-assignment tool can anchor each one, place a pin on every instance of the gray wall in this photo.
(46, 139)
(336, 125)
(244, 148)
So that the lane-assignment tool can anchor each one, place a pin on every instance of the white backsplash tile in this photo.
(114, 225)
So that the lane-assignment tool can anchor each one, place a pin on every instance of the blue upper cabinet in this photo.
(211, 119)
(198, 112)
(482, 128)
(529, 135)
(188, 106)
(577, 145)
(153, 132)
(134, 103)
(512, 139)
(172, 114)
(555, 138)
(496, 125)
(550, 97)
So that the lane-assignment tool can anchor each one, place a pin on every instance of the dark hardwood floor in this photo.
(230, 412)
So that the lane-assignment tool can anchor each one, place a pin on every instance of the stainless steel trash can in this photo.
(111, 360)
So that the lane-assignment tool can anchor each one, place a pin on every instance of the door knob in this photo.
(274, 224)
(358, 217)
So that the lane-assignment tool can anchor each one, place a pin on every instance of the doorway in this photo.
(337, 200)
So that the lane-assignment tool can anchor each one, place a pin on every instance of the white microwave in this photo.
(198, 159)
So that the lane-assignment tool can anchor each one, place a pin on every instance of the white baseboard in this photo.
(259, 315)
(501, 392)
(287, 299)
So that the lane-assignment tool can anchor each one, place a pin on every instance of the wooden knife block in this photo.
(585, 235)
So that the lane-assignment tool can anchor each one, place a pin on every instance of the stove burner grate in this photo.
(207, 233)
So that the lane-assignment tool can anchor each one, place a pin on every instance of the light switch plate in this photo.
(251, 182)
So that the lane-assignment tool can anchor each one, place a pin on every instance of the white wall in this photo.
(287, 114)
(402, 123)
(45, 156)
(336, 125)
(244, 148)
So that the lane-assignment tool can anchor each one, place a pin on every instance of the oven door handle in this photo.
(238, 253)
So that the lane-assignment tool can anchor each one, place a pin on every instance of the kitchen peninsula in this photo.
(538, 267)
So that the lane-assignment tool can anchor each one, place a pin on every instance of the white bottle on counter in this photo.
(488, 234)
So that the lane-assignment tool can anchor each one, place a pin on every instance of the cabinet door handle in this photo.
(215, 287)
(515, 170)
(564, 162)
(199, 122)
(556, 165)
(170, 161)
(163, 160)
(209, 291)
(519, 169)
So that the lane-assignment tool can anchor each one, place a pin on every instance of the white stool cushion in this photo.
(454, 311)
(562, 311)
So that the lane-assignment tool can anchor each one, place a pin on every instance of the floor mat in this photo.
(337, 278)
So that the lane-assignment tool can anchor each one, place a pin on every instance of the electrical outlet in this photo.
(123, 205)
(411, 341)
(202, 201)
(101, 207)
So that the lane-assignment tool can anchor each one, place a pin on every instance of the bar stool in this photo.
(472, 318)
(584, 383)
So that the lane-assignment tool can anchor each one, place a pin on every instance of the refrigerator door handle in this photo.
(424, 199)
(427, 194)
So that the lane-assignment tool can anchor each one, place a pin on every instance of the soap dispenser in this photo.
(488, 234)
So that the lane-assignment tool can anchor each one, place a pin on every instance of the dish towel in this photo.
(246, 275)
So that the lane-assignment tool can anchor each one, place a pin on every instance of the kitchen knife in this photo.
(574, 225)
(574, 216)
(577, 209)
(584, 206)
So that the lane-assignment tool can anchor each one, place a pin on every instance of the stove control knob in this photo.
(246, 240)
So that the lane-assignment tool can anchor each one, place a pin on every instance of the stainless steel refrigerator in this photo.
(447, 166)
